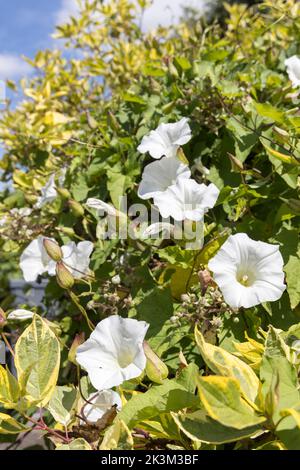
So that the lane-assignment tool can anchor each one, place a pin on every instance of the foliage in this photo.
(232, 376)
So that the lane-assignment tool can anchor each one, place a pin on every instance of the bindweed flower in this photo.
(34, 260)
(248, 272)
(186, 200)
(101, 403)
(49, 191)
(20, 315)
(158, 176)
(114, 352)
(293, 69)
(166, 139)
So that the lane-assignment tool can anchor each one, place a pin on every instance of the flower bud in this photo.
(64, 277)
(78, 340)
(66, 230)
(2, 318)
(53, 249)
(156, 370)
(76, 208)
(64, 193)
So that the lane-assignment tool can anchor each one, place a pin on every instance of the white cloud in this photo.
(167, 12)
(12, 67)
(160, 13)
(68, 8)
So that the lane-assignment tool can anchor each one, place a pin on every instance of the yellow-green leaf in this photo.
(9, 425)
(77, 444)
(9, 389)
(37, 360)
(63, 403)
(118, 436)
(223, 402)
(223, 363)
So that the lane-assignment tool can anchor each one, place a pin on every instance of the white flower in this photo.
(34, 260)
(48, 192)
(248, 272)
(186, 200)
(293, 69)
(166, 139)
(101, 206)
(114, 352)
(20, 315)
(23, 212)
(76, 258)
(102, 402)
(158, 176)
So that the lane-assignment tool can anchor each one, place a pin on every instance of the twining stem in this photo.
(8, 344)
(43, 427)
(82, 310)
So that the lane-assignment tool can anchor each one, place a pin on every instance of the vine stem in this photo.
(8, 344)
(81, 309)
(41, 425)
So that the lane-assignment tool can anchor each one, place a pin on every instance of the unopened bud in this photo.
(63, 276)
(78, 340)
(53, 249)
(156, 370)
(236, 164)
(205, 279)
(66, 230)
(76, 208)
(185, 298)
(2, 317)
(64, 193)
(112, 121)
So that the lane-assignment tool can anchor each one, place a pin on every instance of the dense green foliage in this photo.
(86, 110)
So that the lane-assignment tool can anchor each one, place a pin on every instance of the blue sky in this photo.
(26, 26)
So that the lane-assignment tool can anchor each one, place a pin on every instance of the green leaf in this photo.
(292, 270)
(200, 426)
(171, 396)
(63, 403)
(37, 360)
(279, 377)
(77, 444)
(268, 111)
(223, 402)
(223, 363)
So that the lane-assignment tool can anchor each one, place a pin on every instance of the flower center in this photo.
(246, 279)
(125, 359)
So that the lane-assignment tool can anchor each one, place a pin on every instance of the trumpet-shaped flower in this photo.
(248, 272)
(186, 200)
(34, 260)
(114, 352)
(158, 176)
(100, 403)
(166, 139)
(293, 69)
(48, 192)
